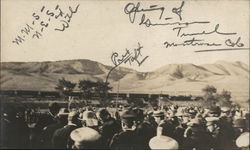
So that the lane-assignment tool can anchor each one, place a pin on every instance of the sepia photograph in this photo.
(125, 75)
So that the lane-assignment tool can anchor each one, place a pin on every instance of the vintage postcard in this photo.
(158, 74)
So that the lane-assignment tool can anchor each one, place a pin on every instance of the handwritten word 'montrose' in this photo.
(191, 42)
(42, 20)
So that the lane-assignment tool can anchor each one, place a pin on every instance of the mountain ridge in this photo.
(232, 76)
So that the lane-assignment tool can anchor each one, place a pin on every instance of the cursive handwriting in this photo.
(200, 42)
(130, 56)
(230, 43)
(131, 9)
(179, 26)
(68, 16)
(192, 42)
(42, 20)
(215, 30)
(178, 11)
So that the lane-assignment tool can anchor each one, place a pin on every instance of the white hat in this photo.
(212, 119)
(243, 140)
(90, 118)
(158, 113)
(84, 135)
(225, 109)
(163, 142)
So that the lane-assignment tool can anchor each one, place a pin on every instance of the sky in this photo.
(100, 28)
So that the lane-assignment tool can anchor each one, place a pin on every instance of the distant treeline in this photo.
(78, 95)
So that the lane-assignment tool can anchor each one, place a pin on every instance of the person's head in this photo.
(63, 115)
(104, 115)
(9, 112)
(20, 113)
(192, 113)
(155, 107)
(54, 108)
(214, 111)
(195, 124)
(73, 117)
(225, 111)
(158, 115)
(139, 115)
(89, 119)
(240, 124)
(212, 123)
(85, 138)
(128, 120)
(117, 116)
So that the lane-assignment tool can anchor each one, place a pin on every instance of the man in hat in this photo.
(159, 116)
(197, 137)
(167, 125)
(212, 125)
(14, 131)
(239, 127)
(44, 120)
(128, 138)
(89, 119)
(226, 131)
(109, 127)
(85, 138)
(49, 117)
(214, 111)
(61, 137)
(49, 130)
(179, 130)
(144, 129)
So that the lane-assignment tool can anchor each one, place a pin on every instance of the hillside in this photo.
(182, 78)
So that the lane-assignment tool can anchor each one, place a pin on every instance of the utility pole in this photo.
(117, 94)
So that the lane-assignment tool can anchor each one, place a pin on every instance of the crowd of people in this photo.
(169, 127)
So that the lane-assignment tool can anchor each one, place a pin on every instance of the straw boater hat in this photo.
(243, 140)
(211, 120)
(158, 113)
(225, 109)
(84, 135)
(163, 142)
(194, 122)
(63, 112)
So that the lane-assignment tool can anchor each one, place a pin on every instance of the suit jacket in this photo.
(126, 140)
(61, 137)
